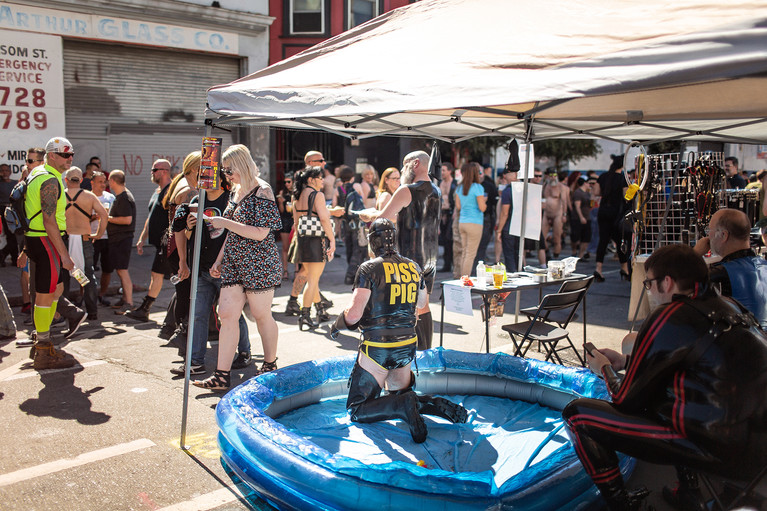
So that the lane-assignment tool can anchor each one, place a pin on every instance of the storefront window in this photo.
(307, 16)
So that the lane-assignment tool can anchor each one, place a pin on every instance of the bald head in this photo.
(314, 159)
(729, 231)
(415, 167)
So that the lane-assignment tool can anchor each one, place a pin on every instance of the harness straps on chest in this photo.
(71, 202)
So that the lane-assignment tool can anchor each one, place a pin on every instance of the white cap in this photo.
(59, 145)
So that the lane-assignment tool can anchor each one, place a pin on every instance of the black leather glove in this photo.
(341, 324)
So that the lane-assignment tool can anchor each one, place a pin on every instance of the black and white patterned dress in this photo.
(254, 265)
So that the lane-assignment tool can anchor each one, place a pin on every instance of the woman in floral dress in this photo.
(249, 264)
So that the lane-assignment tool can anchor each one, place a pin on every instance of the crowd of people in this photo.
(687, 389)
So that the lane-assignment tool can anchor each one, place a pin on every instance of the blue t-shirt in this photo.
(470, 213)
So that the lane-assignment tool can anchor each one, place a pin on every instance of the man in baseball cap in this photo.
(45, 206)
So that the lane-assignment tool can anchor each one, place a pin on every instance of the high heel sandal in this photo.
(322, 313)
(625, 275)
(598, 276)
(219, 381)
(306, 319)
(267, 367)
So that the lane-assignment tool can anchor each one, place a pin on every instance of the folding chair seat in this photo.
(524, 333)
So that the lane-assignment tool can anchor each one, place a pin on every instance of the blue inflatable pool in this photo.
(288, 436)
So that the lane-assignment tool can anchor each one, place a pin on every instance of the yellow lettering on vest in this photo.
(389, 270)
(403, 272)
(396, 292)
(412, 292)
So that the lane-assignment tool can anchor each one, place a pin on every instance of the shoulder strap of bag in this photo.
(310, 204)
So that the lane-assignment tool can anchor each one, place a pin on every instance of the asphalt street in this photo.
(105, 434)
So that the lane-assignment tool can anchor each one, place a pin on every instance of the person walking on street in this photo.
(155, 226)
(248, 263)
(80, 204)
(45, 206)
(416, 207)
(122, 225)
(101, 245)
(6, 185)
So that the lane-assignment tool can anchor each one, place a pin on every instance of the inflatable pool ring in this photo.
(291, 471)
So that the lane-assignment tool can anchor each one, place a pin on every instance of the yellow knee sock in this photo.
(42, 317)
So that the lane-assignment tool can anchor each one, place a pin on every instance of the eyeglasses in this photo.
(156, 169)
(393, 178)
(647, 283)
(227, 171)
(66, 155)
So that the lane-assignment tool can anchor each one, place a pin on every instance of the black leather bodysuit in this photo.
(707, 412)
(418, 228)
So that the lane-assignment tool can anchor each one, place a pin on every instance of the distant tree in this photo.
(564, 150)
(477, 149)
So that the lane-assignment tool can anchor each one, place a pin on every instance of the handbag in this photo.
(309, 225)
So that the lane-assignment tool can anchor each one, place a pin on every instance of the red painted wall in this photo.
(282, 46)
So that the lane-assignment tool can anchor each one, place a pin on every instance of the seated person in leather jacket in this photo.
(694, 392)
(740, 274)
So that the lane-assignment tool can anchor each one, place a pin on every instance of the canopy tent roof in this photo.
(456, 69)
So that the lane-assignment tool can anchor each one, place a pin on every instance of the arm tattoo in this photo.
(49, 197)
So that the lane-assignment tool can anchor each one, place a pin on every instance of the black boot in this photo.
(322, 313)
(292, 309)
(306, 319)
(437, 406)
(424, 329)
(141, 312)
(618, 499)
(365, 405)
(686, 496)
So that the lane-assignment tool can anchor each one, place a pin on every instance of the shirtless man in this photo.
(555, 196)
(80, 204)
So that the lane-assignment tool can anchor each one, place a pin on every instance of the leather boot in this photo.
(47, 357)
(322, 313)
(437, 406)
(618, 499)
(306, 319)
(686, 496)
(365, 406)
(292, 309)
(141, 312)
(325, 301)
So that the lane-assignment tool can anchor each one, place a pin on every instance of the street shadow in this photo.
(61, 399)
(346, 340)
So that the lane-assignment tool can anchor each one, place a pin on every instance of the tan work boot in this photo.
(47, 357)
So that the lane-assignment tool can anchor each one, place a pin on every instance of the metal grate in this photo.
(694, 186)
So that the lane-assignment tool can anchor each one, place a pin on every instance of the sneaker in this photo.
(104, 302)
(58, 321)
(194, 369)
(25, 343)
(242, 360)
(74, 325)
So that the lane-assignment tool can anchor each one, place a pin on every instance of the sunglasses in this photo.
(647, 283)
(155, 169)
(66, 155)
(317, 161)
(288, 181)
(227, 171)
(74, 179)
(29, 161)
(537, 175)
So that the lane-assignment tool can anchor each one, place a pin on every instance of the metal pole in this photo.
(521, 255)
(190, 321)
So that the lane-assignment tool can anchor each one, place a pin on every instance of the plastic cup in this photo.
(498, 279)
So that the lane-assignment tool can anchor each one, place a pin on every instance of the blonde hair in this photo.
(191, 164)
(239, 159)
(384, 176)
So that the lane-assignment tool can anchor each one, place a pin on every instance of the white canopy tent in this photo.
(456, 69)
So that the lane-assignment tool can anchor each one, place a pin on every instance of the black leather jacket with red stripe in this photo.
(720, 396)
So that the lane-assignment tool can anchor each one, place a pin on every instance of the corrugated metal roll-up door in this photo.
(131, 105)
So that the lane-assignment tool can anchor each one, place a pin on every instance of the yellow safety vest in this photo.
(33, 206)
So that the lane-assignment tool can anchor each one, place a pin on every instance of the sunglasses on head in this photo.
(66, 155)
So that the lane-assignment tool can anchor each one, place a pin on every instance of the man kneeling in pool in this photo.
(387, 291)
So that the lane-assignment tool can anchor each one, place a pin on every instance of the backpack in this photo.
(15, 215)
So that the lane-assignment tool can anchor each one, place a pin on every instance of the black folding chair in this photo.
(568, 285)
(537, 329)
(737, 494)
